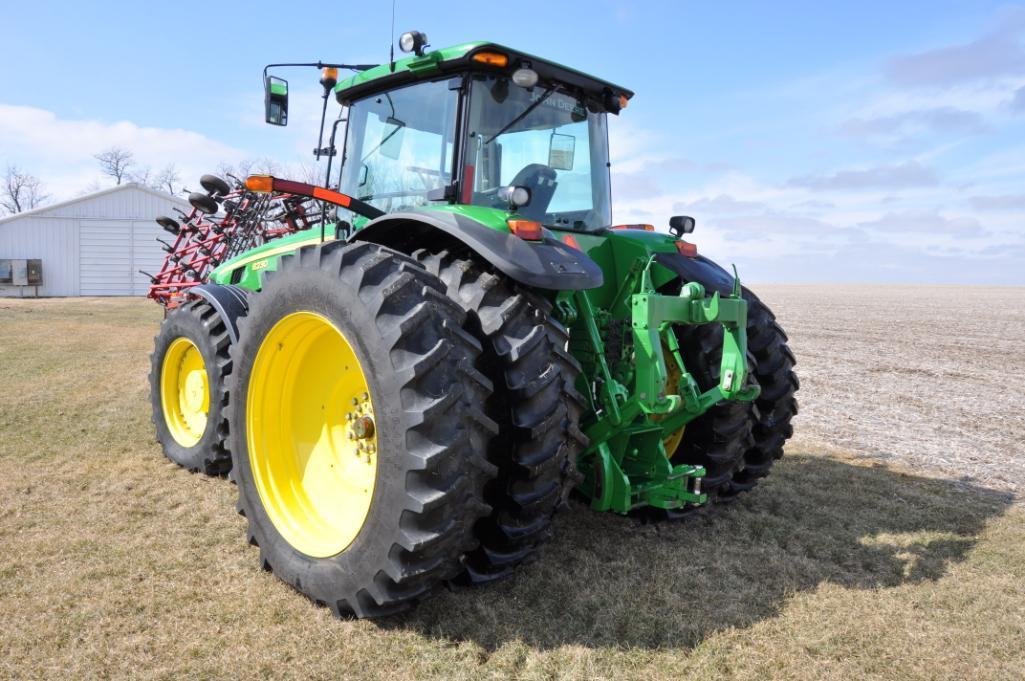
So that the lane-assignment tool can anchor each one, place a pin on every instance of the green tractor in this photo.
(409, 369)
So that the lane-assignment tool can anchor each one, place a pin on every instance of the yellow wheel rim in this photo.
(673, 375)
(311, 435)
(184, 392)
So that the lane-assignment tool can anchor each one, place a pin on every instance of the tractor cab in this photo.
(481, 125)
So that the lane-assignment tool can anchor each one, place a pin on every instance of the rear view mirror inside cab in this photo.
(561, 150)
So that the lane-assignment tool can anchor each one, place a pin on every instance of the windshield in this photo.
(399, 145)
(544, 139)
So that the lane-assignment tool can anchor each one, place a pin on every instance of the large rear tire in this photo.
(737, 442)
(359, 437)
(188, 377)
(535, 404)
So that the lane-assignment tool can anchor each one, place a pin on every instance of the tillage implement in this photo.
(408, 368)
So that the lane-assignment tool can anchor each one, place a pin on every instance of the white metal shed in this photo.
(93, 245)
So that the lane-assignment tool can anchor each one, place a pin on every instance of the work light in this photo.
(413, 41)
(525, 77)
(515, 196)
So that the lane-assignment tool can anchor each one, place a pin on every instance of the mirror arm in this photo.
(320, 135)
(320, 65)
(331, 150)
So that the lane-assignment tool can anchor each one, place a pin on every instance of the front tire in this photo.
(359, 438)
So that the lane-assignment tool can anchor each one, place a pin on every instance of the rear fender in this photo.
(229, 301)
(699, 269)
(550, 264)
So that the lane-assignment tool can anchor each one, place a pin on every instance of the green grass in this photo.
(115, 563)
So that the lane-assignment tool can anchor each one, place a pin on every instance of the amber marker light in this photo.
(528, 230)
(687, 249)
(260, 183)
(571, 241)
(492, 59)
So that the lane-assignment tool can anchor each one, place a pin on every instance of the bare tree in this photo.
(168, 180)
(143, 176)
(307, 172)
(116, 163)
(249, 166)
(21, 191)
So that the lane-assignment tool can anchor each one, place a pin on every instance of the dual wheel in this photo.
(358, 434)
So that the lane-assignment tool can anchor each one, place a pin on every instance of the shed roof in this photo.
(55, 207)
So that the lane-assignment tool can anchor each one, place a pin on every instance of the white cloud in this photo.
(896, 176)
(945, 119)
(929, 222)
(998, 53)
(721, 204)
(1017, 102)
(1004, 202)
(60, 150)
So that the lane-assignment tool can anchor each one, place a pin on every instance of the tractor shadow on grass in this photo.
(613, 582)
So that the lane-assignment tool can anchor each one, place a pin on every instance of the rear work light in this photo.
(686, 248)
(528, 230)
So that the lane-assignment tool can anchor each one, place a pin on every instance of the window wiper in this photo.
(523, 114)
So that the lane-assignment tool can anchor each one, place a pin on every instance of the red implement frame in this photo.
(202, 241)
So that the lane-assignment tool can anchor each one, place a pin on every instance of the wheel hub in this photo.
(195, 390)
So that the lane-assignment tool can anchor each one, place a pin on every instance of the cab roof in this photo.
(460, 58)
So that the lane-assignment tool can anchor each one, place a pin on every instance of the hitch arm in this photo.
(653, 316)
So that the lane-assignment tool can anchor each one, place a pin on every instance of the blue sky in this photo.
(812, 141)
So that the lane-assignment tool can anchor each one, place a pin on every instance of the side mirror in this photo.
(275, 100)
(561, 150)
(681, 224)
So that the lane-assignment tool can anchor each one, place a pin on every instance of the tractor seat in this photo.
(540, 180)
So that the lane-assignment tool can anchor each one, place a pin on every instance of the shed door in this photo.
(111, 253)
(105, 257)
(147, 255)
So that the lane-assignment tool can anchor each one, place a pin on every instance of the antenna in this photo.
(391, 38)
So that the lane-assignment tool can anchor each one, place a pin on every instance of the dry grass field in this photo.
(886, 545)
